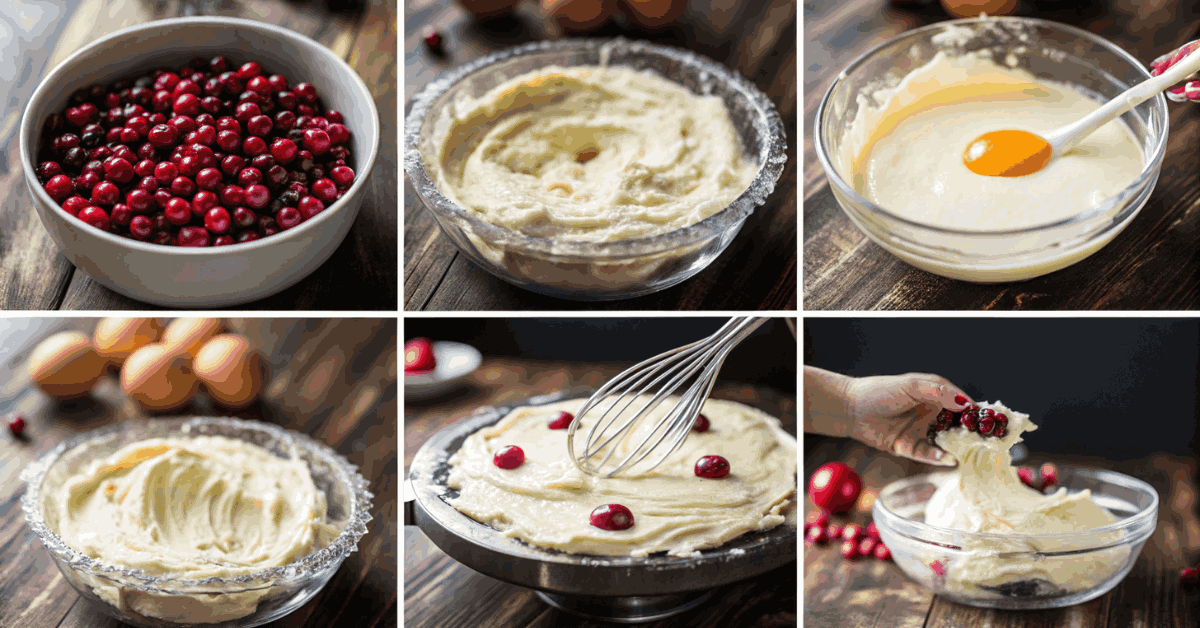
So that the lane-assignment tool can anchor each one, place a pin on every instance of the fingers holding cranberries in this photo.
(244, 152)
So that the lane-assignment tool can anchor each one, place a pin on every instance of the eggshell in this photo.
(189, 334)
(66, 365)
(159, 377)
(116, 338)
(230, 369)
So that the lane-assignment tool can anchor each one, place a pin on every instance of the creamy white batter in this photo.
(190, 508)
(547, 501)
(591, 153)
(906, 155)
(985, 495)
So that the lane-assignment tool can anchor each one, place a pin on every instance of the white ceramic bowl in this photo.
(455, 361)
(212, 276)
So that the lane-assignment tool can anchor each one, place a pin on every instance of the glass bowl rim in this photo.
(1141, 519)
(762, 186)
(301, 570)
(1150, 166)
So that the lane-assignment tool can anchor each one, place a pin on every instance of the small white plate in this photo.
(455, 361)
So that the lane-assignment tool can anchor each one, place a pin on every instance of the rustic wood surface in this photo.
(439, 592)
(334, 380)
(1151, 265)
(360, 275)
(842, 594)
(756, 272)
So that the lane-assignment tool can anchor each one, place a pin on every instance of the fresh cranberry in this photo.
(277, 176)
(562, 421)
(288, 217)
(254, 146)
(334, 116)
(87, 181)
(243, 217)
(1028, 478)
(208, 179)
(509, 457)
(232, 164)
(233, 195)
(852, 532)
(138, 201)
(183, 186)
(306, 92)
(141, 227)
(419, 356)
(316, 141)
(834, 530)
(222, 240)
(850, 550)
(712, 467)
(186, 105)
(342, 177)
(816, 536)
(182, 124)
(121, 214)
(48, 170)
(834, 487)
(191, 165)
(82, 115)
(217, 220)
(257, 196)
(1049, 475)
(612, 517)
(16, 425)
(105, 193)
(310, 206)
(325, 190)
(1186, 576)
(162, 197)
(701, 424)
(249, 176)
(882, 552)
(819, 518)
(95, 217)
(338, 134)
(192, 236)
(59, 187)
(178, 211)
(262, 162)
(872, 531)
(203, 201)
(74, 204)
(247, 236)
(61, 144)
(118, 169)
(433, 40)
(986, 425)
(866, 547)
(285, 120)
(229, 141)
(144, 168)
(150, 184)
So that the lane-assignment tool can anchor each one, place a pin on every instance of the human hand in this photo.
(893, 412)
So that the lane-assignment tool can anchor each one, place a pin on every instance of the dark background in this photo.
(1116, 388)
(766, 358)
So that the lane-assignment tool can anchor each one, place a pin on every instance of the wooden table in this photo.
(756, 272)
(838, 593)
(361, 273)
(439, 592)
(334, 380)
(1151, 265)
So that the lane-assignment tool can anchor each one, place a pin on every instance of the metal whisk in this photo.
(698, 362)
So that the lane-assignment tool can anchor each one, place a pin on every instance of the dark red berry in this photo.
(105, 193)
(192, 236)
(1049, 474)
(342, 176)
(712, 467)
(74, 204)
(95, 217)
(257, 196)
(562, 421)
(509, 457)
(433, 40)
(316, 141)
(16, 425)
(1186, 576)
(310, 206)
(850, 550)
(986, 425)
(701, 424)
(288, 217)
(59, 187)
(612, 517)
(178, 211)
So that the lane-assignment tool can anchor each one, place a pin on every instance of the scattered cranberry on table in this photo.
(850, 550)
(418, 352)
(712, 467)
(612, 517)
(562, 421)
(1189, 576)
(834, 487)
(153, 158)
(509, 457)
(433, 40)
(16, 425)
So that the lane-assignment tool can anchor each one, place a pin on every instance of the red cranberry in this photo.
(48, 170)
(562, 421)
(211, 105)
(192, 236)
(612, 517)
(866, 547)
(850, 550)
(232, 195)
(140, 227)
(986, 425)
(186, 86)
(306, 92)
(285, 120)
(203, 201)
(872, 531)
(64, 142)
(217, 220)
(288, 217)
(178, 211)
(334, 116)
(93, 167)
(834, 487)
(229, 141)
(246, 111)
(182, 124)
(59, 187)
(262, 162)
(277, 176)
(834, 530)
(1186, 576)
(186, 104)
(852, 532)
(243, 217)
(138, 200)
(342, 176)
(260, 84)
(316, 141)
(712, 467)
(257, 196)
(208, 179)
(163, 238)
(283, 150)
(74, 204)
(882, 552)
(1028, 478)
(87, 181)
(16, 425)
(1049, 475)
(249, 176)
(433, 40)
(121, 214)
(150, 184)
(254, 146)
(82, 115)
(338, 133)
(701, 425)
(105, 193)
(118, 169)
(101, 153)
(1000, 431)
(232, 164)
(325, 190)
(75, 156)
(278, 83)
(191, 165)
(144, 168)
(816, 536)
(222, 240)
(183, 186)
(509, 457)
(95, 217)
(310, 206)
(249, 70)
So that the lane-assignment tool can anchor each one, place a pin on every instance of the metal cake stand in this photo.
(622, 590)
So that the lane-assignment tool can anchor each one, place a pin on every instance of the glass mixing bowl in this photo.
(1086, 564)
(165, 602)
(584, 270)
(1048, 50)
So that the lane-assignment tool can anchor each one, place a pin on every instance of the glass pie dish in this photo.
(586, 270)
(1019, 571)
(160, 601)
(1051, 51)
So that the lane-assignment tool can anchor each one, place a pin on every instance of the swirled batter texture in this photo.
(547, 501)
(191, 508)
(591, 153)
(986, 495)
(906, 154)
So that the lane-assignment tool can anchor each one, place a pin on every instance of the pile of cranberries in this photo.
(982, 421)
(857, 541)
(204, 155)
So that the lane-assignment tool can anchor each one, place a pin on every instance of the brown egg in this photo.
(485, 9)
(972, 8)
(652, 14)
(189, 334)
(575, 16)
(159, 377)
(66, 365)
(231, 370)
(116, 338)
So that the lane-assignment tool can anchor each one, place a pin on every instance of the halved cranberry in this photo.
(712, 467)
(562, 421)
(612, 517)
(509, 457)
(701, 424)
(95, 217)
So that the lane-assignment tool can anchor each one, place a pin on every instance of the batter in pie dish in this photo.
(547, 502)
